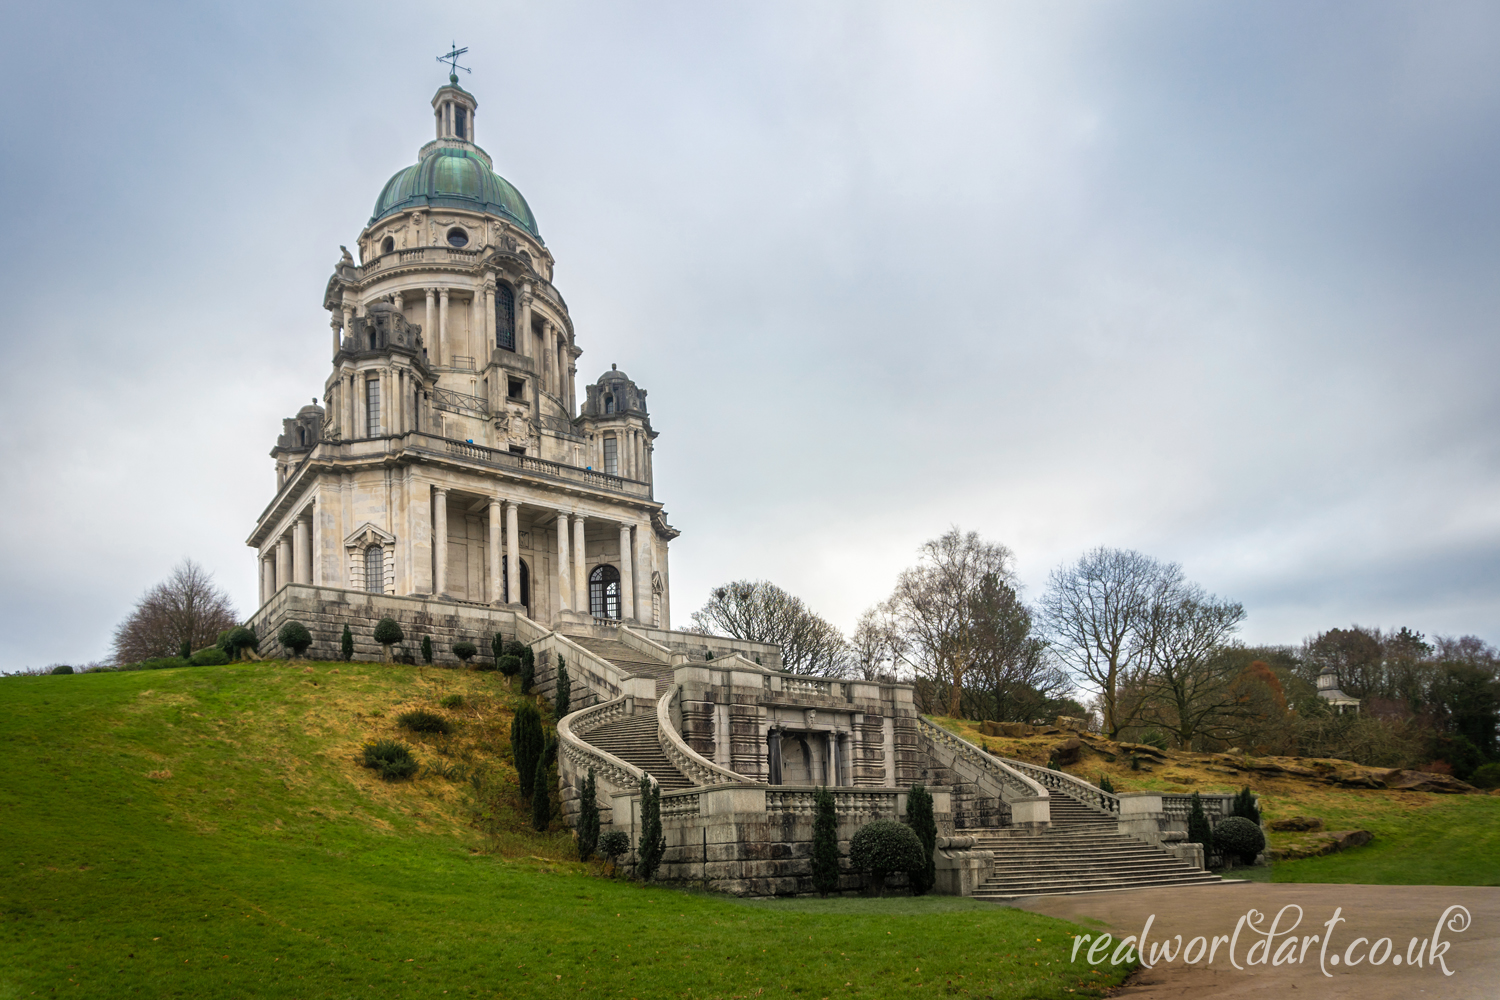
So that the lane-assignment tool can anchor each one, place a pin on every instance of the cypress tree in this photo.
(924, 825)
(1199, 831)
(346, 644)
(588, 818)
(497, 646)
(1245, 805)
(562, 699)
(528, 670)
(825, 848)
(653, 844)
(426, 649)
(541, 794)
(185, 651)
(526, 745)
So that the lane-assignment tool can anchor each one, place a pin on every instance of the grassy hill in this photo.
(1421, 838)
(207, 832)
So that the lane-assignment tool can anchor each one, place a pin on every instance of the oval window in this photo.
(457, 237)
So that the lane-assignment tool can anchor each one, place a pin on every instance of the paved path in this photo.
(1369, 911)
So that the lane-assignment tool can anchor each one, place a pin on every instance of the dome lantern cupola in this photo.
(453, 109)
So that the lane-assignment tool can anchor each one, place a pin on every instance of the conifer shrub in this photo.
(512, 647)
(62, 668)
(1052, 766)
(541, 793)
(1155, 738)
(588, 818)
(528, 671)
(185, 650)
(562, 698)
(392, 759)
(526, 744)
(653, 843)
(497, 649)
(419, 720)
(825, 846)
(295, 636)
(426, 649)
(213, 656)
(1486, 776)
(388, 632)
(346, 645)
(1245, 805)
(234, 641)
(883, 847)
(1199, 831)
(1105, 785)
(1241, 838)
(614, 845)
(465, 650)
(509, 665)
(924, 825)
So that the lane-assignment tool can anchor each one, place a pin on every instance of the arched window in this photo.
(459, 122)
(388, 244)
(505, 317)
(525, 581)
(604, 592)
(609, 405)
(375, 569)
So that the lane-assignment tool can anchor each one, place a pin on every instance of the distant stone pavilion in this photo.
(451, 478)
(1328, 690)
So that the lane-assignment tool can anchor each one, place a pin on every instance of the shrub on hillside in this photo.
(497, 649)
(465, 650)
(653, 842)
(391, 758)
(526, 744)
(295, 636)
(454, 701)
(213, 656)
(588, 818)
(1105, 785)
(509, 665)
(512, 647)
(1486, 776)
(234, 641)
(184, 650)
(825, 847)
(614, 844)
(161, 663)
(541, 791)
(1199, 830)
(62, 668)
(528, 671)
(1155, 738)
(883, 847)
(419, 720)
(1245, 805)
(426, 649)
(562, 698)
(388, 632)
(924, 825)
(346, 645)
(1241, 838)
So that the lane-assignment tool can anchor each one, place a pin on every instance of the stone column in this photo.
(267, 578)
(399, 301)
(642, 566)
(302, 551)
(429, 331)
(348, 311)
(497, 590)
(627, 575)
(443, 320)
(333, 321)
(580, 575)
(488, 326)
(563, 601)
(523, 319)
(440, 540)
(283, 561)
(512, 553)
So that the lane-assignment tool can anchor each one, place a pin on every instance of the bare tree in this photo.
(875, 646)
(760, 611)
(185, 607)
(1094, 612)
(935, 610)
(1191, 688)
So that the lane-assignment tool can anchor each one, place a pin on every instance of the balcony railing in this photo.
(447, 399)
(542, 467)
(462, 361)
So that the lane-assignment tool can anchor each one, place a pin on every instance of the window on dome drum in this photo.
(517, 449)
(459, 114)
(505, 318)
(375, 569)
(457, 237)
(515, 389)
(609, 404)
(611, 456)
(604, 592)
(388, 244)
(372, 407)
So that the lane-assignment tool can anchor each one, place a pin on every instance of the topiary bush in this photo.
(419, 720)
(512, 647)
(465, 650)
(391, 758)
(1486, 776)
(235, 641)
(295, 636)
(62, 668)
(883, 847)
(588, 818)
(509, 665)
(613, 845)
(213, 656)
(388, 632)
(426, 649)
(1239, 837)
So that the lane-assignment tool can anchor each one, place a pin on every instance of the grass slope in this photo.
(1421, 838)
(206, 833)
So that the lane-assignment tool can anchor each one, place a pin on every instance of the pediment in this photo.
(367, 534)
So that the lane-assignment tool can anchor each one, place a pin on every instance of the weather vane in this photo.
(452, 59)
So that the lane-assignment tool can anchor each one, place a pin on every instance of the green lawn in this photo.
(204, 832)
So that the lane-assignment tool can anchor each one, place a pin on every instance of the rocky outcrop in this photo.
(1321, 844)
(1301, 824)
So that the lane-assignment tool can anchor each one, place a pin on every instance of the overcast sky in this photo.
(1217, 282)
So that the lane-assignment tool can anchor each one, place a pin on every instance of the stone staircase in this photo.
(633, 739)
(1081, 852)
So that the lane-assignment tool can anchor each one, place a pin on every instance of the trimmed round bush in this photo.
(465, 650)
(391, 758)
(1239, 837)
(235, 640)
(509, 665)
(295, 636)
(62, 669)
(1486, 776)
(883, 847)
(614, 844)
(213, 656)
(388, 632)
(419, 720)
(513, 648)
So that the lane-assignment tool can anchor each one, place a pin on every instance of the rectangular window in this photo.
(517, 449)
(611, 457)
(372, 407)
(516, 389)
(458, 122)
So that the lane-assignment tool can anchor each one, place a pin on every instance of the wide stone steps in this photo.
(634, 739)
(631, 662)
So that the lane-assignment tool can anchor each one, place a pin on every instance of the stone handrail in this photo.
(571, 730)
(599, 676)
(1077, 788)
(697, 768)
(1009, 776)
(1216, 805)
(529, 464)
(641, 644)
(528, 631)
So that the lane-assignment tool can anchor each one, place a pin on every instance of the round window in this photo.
(457, 237)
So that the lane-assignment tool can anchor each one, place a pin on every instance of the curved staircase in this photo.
(634, 739)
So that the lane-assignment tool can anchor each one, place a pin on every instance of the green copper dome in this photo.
(454, 178)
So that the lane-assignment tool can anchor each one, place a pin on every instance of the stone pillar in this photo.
(302, 551)
(333, 321)
(512, 553)
(497, 590)
(580, 574)
(443, 320)
(430, 332)
(348, 311)
(642, 566)
(523, 321)
(283, 561)
(440, 540)
(563, 601)
(399, 301)
(267, 578)
(627, 576)
(490, 341)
